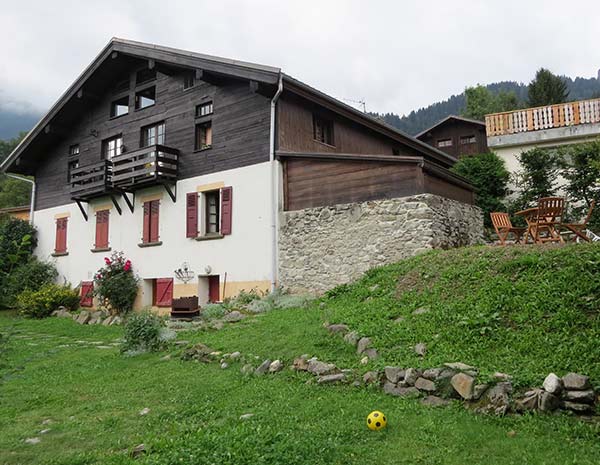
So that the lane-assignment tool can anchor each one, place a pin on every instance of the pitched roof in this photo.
(223, 66)
(448, 118)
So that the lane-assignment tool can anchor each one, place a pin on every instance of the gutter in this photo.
(274, 186)
(31, 206)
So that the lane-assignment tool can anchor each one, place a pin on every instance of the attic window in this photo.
(204, 109)
(119, 107)
(322, 130)
(464, 140)
(145, 75)
(189, 80)
(444, 143)
(145, 98)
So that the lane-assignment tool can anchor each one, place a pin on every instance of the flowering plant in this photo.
(115, 283)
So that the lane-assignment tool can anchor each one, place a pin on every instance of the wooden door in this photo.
(214, 293)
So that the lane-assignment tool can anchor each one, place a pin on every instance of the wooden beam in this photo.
(199, 74)
(151, 63)
(85, 95)
(253, 86)
(114, 55)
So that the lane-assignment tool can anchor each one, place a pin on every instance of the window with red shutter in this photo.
(61, 235)
(226, 203)
(150, 226)
(102, 229)
(87, 294)
(163, 292)
(191, 223)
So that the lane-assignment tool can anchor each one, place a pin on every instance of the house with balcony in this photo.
(176, 157)
(513, 132)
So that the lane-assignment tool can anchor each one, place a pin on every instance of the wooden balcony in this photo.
(152, 165)
(539, 118)
(90, 181)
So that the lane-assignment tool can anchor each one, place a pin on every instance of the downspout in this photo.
(31, 206)
(274, 186)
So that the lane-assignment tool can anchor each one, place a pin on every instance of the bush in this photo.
(142, 333)
(31, 275)
(17, 241)
(538, 176)
(115, 284)
(213, 311)
(41, 303)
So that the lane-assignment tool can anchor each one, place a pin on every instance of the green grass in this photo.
(94, 396)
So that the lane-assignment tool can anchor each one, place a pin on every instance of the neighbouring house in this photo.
(249, 176)
(457, 136)
(513, 132)
(21, 213)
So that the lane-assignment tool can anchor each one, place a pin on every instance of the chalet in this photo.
(177, 157)
(457, 136)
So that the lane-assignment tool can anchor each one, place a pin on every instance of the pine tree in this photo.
(547, 89)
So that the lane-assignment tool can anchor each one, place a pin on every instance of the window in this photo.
(112, 147)
(60, 246)
(203, 136)
(145, 98)
(189, 79)
(204, 109)
(444, 143)
(145, 75)
(102, 229)
(74, 150)
(215, 213)
(153, 134)
(150, 227)
(119, 107)
(323, 130)
(464, 140)
(72, 164)
(211, 218)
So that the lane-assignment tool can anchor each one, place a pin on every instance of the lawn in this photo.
(75, 377)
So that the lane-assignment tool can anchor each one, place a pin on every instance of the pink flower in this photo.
(107, 260)
(127, 266)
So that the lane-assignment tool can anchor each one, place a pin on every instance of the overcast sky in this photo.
(396, 55)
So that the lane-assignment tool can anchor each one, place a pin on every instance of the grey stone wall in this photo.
(322, 247)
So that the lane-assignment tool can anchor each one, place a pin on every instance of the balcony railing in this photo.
(156, 164)
(548, 117)
(91, 181)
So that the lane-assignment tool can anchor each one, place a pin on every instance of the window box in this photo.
(149, 244)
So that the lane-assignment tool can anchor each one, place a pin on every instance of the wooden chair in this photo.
(549, 213)
(504, 227)
(579, 228)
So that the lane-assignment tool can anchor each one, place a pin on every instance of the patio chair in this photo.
(579, 228)
(549, 213)
(504, 227)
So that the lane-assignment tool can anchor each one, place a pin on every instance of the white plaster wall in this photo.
(244, 255)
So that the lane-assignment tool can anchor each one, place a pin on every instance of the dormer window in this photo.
(145, 98)
(204, 109)
(119, 107)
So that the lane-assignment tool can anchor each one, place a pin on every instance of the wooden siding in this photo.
(455, 129)
(240, 130)
(436, 185)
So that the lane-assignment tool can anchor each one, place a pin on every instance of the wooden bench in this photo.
(185, 307)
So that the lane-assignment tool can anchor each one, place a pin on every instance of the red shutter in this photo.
(61, 235)
(146, 233)
(163, 296)
(191, 212)
(102, 229)
(154, 221)
(87, 294)
(226, 201)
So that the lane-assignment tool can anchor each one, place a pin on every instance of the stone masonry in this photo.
(322, 247)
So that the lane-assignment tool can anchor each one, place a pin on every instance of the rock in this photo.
(217, 324)
(547, 402)
(107, 321)
(246, 416)
(420, 349)
(463, 384)
(393, 390)
(394, 374)
(351, 338)
(47, 421)
(577, 407)
(498, 376)
(434, 401)
(459, 366)
(421, 311)
(337, 328)
(500, 393)
(275, 366)
(364, 360)
(478, 391)
(54, 313)
(224, 365)
(246, 369)
(552, 384)
(529, 401)
(181, 343)
(33, 441)
(200, 352)
(165, 358)
(235, 355)
(363, 344)
(370, 377)
(399, 320)
(423, 384)
(45, 431)
(331, 378)
(583, 397)
(371, 353)
(512, 433)
(116, 321)
(138, 450)
(432, 374)
(319, 368)
(263, 368)
(233, 317)
(410, 376)
(144, 411)
(300, 364)
(576, 381)
(83, 318)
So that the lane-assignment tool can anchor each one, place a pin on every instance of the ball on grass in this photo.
(376, 420)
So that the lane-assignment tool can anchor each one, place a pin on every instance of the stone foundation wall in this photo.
(322, 247)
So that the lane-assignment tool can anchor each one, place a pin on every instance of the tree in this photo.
(547, 89)
(13, 193)
(538, 176)
(489, 176)
(480, 101)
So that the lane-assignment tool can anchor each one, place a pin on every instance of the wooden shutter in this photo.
(102, 229)
(191, 224)
(61, 235)
(154, 207)
(87, 294)
(146, 232)
(163, 292)
(226, 201)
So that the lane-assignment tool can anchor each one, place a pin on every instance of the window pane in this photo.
(145, 98)
(119, 107)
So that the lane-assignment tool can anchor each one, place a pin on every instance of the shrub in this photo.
(115, 284)
(212, 311)
(142, 333)
(31, 275)
(538, 176)
(41, 303)
(17, 241)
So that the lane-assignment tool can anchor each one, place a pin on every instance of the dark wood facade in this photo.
(457, 136)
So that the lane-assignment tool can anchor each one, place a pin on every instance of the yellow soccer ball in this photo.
(376, 420)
